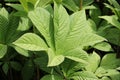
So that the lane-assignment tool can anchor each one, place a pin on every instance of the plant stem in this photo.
(38, 73)
(81, 3)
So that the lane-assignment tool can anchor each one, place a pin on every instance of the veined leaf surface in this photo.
(31, 41)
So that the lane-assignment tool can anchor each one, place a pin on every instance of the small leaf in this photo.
(5, 68)
(31, 41)
(3, 50)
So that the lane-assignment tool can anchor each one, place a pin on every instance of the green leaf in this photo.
(94, 61)
(42, 62)
(22, 51)
(42, 3)
(87, 2)
(113, 74)
(111, 34)
(114, 3)
(61, 26)
(24, 24)
(16, 6)
(42, 20)
(103, 46)
(70, 4)
(3, 50)
(11, 33)
(54, 59)
(5, 68)
(118, 68)
(106, 72)
(77, 55)
(112, 20)
(83, 75)
(94, 13)
(80, 33)
(68, 66)
(110, 61)
(28, 70)
(52, 77)
(26, 5)
(31, 41)
(15, 65)
(3, 24)
(3, 12)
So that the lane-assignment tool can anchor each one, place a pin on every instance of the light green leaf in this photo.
(105, 78)
(52, 77)
(15, 65)
(113, 74)
(83, 75)
(110, 61)
(3, 50)
(103, 46)
(61, 25)
(77, 55)
(112, 20)
(54, 59)
(78, 29)
(31, 41)
(106, 72)
(42, 20)
(70, 4)
(94, 61)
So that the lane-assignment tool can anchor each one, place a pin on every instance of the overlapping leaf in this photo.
(30, 41)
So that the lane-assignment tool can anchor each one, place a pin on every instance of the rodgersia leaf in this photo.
(61, 25)
(42, 20)
(80, 33)
(31, 41)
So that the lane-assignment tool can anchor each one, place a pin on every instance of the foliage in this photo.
(60, 39)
